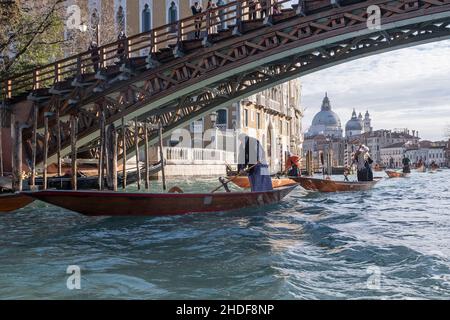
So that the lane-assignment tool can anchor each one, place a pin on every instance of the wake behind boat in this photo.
(324, 185)
(101, 203)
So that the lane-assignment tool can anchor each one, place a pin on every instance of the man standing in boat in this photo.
(363, 163)
(406, 162)
(252, 159)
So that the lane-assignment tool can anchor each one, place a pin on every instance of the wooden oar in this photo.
(232, 179)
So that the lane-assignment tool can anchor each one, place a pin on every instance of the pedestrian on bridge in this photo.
(121, 46)
(95, 58)
(221, 3)
(197, 9)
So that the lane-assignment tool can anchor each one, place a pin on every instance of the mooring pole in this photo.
(33, 146)
(136, 146)
(112, 157)
(124, 155)
(17, 158)
(58, 142)
(161, 155)
(1, 140)
(147, 157)
(46, 138)
(101, 151)
(73, 143)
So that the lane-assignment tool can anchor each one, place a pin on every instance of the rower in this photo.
(293, 165)
(252, 158)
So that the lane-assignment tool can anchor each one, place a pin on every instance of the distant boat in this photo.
(13, 201)
(244, 183)
(107, 203)
(421, 169)
(396, 174)
(324, 185)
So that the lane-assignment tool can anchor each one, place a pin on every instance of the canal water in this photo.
(390, 242)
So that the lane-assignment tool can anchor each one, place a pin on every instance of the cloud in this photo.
(407, 88)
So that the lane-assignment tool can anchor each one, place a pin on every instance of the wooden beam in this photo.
(58, 141)
(46, 136)
(73, 140)
(34, 145)
(2, 111)
(161, 155)
(16, 154)
(124, 155)
(136, 146)
(147, 158)
(112, 157)
(101, 157)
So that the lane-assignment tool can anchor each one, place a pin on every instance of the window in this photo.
(281, 127)
(258, 120)
(146, 19)
(222, 118)
(172, 15)
(246, 117)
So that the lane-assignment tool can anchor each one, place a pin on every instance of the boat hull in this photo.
(244, 183)
(13, 201)
(98, 203)
(396, 174)
(323, 185)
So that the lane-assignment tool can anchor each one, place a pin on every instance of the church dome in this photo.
(354, 124)
(325, 116)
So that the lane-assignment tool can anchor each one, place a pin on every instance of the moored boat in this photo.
(396, 174)
(244, 183)
(324, 185)
(13, 201)
(101, 203)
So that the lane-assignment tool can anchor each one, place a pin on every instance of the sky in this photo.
(407, 88)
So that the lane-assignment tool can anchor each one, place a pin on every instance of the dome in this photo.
(354, 124)
(326, 117)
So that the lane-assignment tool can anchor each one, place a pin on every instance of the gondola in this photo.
(107, 203)
(324, 185)
(244, 183)
(13, 201)
(421, 169)
(396, 174)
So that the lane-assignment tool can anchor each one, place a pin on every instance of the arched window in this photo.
(172, 15)
(120, 18)
(146, 18)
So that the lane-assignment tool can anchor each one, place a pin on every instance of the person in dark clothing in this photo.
(252, 9)
(196, 9)
(252, 158)
(406, 164)
(121, 46)
(95, 58)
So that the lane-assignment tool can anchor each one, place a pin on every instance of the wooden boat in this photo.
(396, 174)
(244, 183)
(421, 169)
(107, 203)
(324, 185)
(13, 201)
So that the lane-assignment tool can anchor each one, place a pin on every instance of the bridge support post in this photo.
(124, 155)
(34, 145)
(2, 111)
(161, 155)
(46, 138)
(73, 140)
(16, 131)
(101, 155)
(147, 157)
(112, 157)
(136, 148)
(58, 141)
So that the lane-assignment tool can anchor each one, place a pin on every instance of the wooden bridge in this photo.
(168, 77)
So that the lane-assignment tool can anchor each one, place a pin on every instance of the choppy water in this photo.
(390, 242)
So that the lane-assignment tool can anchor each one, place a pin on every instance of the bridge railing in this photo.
(205, 24)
